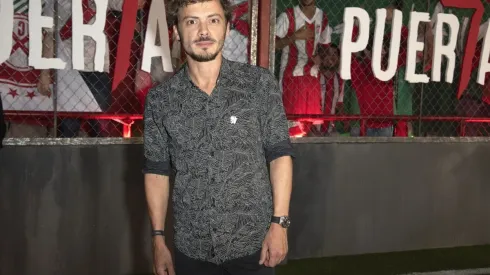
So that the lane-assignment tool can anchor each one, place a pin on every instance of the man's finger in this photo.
(276, 256)
(263, 254)
(170, 270)
(161, 271)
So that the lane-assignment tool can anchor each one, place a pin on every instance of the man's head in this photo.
(330, 56)
(307, 3)
(396, 4)
(201, 26)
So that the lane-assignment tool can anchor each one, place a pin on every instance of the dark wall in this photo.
(380, 197)
(81, 209)
(73, 210)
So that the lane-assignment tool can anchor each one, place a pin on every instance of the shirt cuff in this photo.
(157, 167)
(280, 149)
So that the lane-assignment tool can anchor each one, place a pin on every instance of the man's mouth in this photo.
(204, 42)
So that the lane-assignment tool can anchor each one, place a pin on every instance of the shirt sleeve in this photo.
(157, 158)
(274, 125)
(326, 35)
(282, 25)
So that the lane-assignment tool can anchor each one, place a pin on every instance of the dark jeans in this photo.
(248, 265)
(380, 132)
(99, 84)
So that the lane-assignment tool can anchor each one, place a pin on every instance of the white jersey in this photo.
(73, 93)
(236, 43)
(296, 59)
(18, 80)
(236, 47)
(65, 46)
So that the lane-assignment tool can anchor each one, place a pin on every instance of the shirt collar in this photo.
(224, 71)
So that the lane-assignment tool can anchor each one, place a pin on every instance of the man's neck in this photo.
(205, 74)
(309, 11)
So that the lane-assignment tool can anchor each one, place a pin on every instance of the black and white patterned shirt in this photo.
(219, 146)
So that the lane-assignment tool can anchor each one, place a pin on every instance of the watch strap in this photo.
(276, 219)
(157, 233)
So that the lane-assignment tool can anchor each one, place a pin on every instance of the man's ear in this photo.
(176, 32)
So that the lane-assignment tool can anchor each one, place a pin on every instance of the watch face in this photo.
(285, 222)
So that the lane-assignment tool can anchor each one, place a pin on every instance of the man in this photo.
(299, 31)
(18, 81)
(86, 89)
(475, 101)
(376, 97)
(218, 124)
(236, 46)
(332, 85)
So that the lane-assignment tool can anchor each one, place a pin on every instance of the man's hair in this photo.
(336, 47)
(176, 5)
(322, 49)
(397, 4)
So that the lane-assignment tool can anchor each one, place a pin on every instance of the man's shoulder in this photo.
(258, 80)
(247, 71)
(167, 87)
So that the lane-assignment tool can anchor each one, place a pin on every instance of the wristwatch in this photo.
(283, 221)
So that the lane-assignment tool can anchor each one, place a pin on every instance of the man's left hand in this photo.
(275, 246)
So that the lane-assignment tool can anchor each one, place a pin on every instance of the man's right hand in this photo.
(304, 33)
(162, 260)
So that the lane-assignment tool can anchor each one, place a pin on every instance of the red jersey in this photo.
(375, 97)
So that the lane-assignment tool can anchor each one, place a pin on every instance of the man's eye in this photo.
(190, 22)
(215, 21)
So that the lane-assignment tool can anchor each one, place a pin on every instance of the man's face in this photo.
(331, 59)
(307, 3)
(202, 29)
(389, 14)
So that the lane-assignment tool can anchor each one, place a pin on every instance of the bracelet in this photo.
(157, 233)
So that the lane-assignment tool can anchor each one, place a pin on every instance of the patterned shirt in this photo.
(219, 146)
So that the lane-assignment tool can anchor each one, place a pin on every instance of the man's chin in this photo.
(312, 3)
(203, 57)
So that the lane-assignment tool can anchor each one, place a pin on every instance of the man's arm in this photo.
(156, 170)
(301, 34)
(157, 161)
(281, 174)
(278, 153)
(157, 194)
(282, 27)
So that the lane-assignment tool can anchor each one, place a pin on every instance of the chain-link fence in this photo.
(83, 103)
(319, 102)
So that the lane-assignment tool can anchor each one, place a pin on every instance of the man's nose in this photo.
(203, 29)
